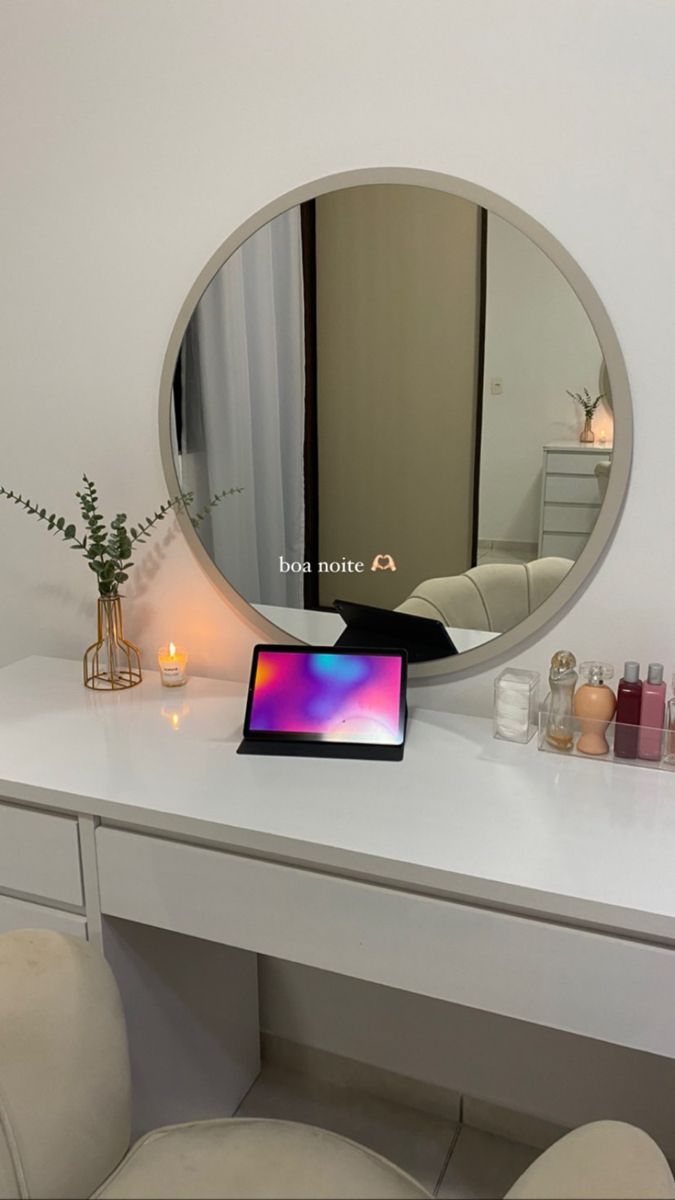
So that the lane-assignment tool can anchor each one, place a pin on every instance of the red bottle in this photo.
(628, 704)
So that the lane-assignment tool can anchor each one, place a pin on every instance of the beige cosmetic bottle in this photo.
(594, 707)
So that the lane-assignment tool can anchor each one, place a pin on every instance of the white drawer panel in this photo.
(39, 854)
(563, 545)
(19, 914)
(572, 489)
(580, 462)
(569, 518)
(572, 979)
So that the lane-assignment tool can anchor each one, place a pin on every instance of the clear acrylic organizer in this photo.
(630, 736)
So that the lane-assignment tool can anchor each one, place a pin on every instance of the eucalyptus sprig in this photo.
(108, 551)
(589, 406)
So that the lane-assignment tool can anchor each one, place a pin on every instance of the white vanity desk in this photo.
(475, 871)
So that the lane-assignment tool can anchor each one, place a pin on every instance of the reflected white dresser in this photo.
(571, 496)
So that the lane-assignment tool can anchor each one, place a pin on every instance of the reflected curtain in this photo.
(242, 381)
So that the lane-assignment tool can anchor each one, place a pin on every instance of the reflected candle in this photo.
(172, 665)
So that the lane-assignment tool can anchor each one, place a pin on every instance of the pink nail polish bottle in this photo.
(652, 713)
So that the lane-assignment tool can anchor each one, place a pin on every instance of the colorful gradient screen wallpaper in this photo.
(329, 697)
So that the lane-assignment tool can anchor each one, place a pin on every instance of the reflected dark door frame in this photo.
(311, 441)
(480, 379)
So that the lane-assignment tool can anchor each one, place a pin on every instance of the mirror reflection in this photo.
(399, 380)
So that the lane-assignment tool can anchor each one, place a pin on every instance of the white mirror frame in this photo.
(609, 513)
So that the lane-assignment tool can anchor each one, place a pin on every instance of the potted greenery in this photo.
(111, 662)
(589, 406)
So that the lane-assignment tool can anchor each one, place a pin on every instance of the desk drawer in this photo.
(562, 545)
(20, 914)
(572, 489)
(579, 462)
(39, 854)
(570, 518)
(572, 979)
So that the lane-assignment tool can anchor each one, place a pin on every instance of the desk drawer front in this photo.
(562, 545)
(20, 914)
(575, 462)
(39, 854)
(570, 979)
(572, 489)
(570, 518)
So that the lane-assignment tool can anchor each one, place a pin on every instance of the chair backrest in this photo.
(65, 1087)
(493, 597)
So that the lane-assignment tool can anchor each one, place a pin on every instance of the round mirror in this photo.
(424, 405)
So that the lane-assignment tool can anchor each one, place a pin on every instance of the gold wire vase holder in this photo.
(111, 662)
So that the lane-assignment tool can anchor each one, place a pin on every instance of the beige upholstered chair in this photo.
(65, 1099)
(65, 1104)
(493, 597)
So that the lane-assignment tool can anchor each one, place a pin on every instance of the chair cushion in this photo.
(606, 1160)
(240, 1159)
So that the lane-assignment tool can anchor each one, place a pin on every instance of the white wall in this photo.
(540, 343)
(137, 134)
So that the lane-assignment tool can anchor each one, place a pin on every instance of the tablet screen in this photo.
(327, 695)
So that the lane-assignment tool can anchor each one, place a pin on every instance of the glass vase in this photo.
(587, 434)
(111, 662)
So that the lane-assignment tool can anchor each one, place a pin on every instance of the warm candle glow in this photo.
(172, 665)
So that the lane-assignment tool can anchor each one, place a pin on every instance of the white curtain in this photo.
(243, 381)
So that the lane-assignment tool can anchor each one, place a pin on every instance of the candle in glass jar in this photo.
(172, 665)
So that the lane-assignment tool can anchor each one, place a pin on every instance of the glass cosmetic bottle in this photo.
(628, 701)
(670, 727)
(562, 682)
(652, 714)
(594, 707)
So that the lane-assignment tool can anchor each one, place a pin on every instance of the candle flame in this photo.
(172, 650)
(175, 720)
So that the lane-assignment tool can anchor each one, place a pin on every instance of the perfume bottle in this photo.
(652, 713)
(562, 682)
(670, 727)
(594, 706)
(628, 701)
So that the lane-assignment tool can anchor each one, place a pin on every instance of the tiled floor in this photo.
(449, 1161)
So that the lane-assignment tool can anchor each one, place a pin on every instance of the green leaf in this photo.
(60, 523)
(69, 531)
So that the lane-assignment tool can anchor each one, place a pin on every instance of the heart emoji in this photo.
(383, 562)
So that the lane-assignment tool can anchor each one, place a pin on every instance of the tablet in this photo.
(326, 701)
(424, 638)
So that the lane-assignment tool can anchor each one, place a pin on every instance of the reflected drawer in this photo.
(20, 914)
(569, 518)
(572, 489)
(579, 462)
(39, 854)
(574, 979)
(562, 545)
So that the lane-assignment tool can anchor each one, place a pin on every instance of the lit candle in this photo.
(172, 665)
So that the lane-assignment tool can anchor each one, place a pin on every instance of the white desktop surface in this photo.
(324, 628)
(463, 815)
